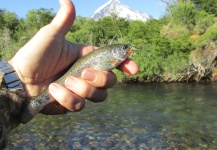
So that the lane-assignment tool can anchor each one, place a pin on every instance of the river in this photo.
(140, 116)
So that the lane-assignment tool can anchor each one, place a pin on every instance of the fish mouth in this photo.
(131, 50)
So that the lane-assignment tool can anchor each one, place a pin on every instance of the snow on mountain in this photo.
(121, 10)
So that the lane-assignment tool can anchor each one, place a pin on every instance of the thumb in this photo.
(65, 17)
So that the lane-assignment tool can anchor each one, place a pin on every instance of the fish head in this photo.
(122, 51)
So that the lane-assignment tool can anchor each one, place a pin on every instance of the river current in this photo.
(140, 116)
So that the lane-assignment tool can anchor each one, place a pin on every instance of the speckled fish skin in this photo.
(105, 58)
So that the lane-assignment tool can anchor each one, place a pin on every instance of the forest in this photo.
(179, 47)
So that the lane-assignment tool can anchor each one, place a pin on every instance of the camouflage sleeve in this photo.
(10, 111)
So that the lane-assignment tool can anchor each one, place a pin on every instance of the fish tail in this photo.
(32, 108)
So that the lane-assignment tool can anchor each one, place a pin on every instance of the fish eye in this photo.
(125, 46)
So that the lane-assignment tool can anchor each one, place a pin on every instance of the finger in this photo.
(101, 79)
(85, 90)
(87, 49)
(66, 98)
(65, 17)
(129, 66)
(81, 48)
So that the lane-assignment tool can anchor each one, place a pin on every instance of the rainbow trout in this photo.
(105, 58)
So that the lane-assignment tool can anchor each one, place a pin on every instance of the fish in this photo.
(104, 58)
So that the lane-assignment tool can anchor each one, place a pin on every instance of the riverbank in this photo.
(201, 67)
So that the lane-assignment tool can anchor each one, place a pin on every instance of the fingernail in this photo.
(70, 81)
(88, 75)
(53, 87)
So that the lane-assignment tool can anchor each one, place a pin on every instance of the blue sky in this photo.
(83, 7)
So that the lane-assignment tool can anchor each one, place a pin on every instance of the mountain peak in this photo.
(121, 10)
(115, 1)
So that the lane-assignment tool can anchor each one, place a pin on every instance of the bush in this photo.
(203, 21)
(184, 14)
(209, 36)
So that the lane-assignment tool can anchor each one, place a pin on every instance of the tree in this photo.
(184, 14)
(39, 18)
(8, 20)
(209, 6)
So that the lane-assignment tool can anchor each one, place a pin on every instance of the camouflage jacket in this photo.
(10, 111)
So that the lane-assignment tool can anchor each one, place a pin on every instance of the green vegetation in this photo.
(163, 45)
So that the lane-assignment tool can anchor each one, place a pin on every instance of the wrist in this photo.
(10, 78)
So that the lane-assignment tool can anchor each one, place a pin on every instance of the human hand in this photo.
(44, 58)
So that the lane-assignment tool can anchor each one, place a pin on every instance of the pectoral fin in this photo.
(113, 62)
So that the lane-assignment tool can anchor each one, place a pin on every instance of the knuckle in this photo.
(114, 78)
(103, 96)
(87, 92)
(66, 98)
(100, 96)
(73, 102)
(111, 81)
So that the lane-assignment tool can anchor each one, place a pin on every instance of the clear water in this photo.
(148, 116)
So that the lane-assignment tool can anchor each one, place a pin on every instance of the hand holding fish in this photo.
(47, 55)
